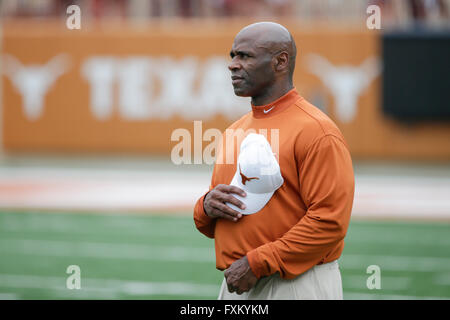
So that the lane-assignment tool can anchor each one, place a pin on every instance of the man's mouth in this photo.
(236, 79)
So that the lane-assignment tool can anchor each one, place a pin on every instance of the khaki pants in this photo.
(321, 282)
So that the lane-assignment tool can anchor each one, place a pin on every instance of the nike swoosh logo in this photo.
(267, 111)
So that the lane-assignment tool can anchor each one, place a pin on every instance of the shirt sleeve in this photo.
(203, 222)
(327, 187)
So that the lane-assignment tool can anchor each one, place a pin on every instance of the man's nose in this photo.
(234, 65)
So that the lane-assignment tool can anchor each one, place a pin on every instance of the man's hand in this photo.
(240, 277)
(214, 202)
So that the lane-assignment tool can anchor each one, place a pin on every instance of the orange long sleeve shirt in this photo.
(306, 220)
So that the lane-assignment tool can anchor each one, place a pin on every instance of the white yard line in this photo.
(200, 255)
(400, 240)
(383, 296)
(442, 279)
(8, 296)
(395, 263)
(387, 282)
(113, 289)
(108, 288)
(159, 233)
(39, 224)
(16, 224)
(107, 250)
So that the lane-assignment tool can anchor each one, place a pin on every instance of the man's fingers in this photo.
(225, 211)
(237, 289)
(230, 199)
(222, 194)
(236, 190)
(231, 189)
(220, 214)
(231, 288)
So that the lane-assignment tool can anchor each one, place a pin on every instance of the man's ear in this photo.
(282, 61)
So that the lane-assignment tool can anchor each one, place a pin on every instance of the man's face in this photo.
(251, 67)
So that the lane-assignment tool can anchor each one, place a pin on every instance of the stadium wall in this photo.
(126, 89)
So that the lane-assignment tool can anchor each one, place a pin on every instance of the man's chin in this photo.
(241, 92)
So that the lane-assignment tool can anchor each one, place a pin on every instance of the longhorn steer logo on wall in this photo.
(345, 82)
(33, 81)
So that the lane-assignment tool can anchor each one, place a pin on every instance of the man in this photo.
(288, 249)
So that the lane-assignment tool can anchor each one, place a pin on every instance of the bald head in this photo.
(272, 37)
(262, 62)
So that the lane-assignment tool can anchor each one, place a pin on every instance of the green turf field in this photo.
(163, 257)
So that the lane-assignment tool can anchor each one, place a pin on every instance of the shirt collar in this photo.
(277, 106)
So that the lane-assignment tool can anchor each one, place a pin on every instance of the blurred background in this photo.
(96, 108)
